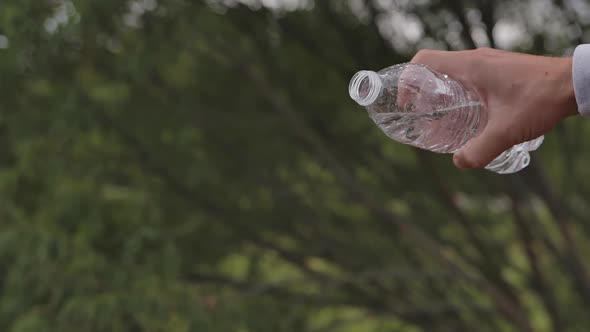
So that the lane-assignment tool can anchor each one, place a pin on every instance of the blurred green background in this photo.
(176, 165)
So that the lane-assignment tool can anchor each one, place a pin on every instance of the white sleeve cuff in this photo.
(581, 78)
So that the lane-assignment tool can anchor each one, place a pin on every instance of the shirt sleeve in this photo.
(581, 78)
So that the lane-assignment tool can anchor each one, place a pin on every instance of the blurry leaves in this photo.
(201, 168)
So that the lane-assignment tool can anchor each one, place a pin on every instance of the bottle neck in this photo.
(365, 87)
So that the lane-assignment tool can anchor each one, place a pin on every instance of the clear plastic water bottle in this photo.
(416, 105)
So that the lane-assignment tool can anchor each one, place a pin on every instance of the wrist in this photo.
(566, 90)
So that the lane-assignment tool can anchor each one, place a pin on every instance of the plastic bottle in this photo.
(415, 105)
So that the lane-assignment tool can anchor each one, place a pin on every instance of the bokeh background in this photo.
(176, 165)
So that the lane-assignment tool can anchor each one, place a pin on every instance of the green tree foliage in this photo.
(179, 165)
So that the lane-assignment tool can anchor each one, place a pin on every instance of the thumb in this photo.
(482, 149)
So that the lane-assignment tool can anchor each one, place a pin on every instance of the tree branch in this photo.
(543, 188)
(539, 281)
(415, 314)
(487, 16)
(488, 267)
(457, 8)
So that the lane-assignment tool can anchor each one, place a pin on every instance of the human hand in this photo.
(525, 96)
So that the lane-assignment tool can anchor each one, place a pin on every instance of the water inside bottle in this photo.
(427, 117)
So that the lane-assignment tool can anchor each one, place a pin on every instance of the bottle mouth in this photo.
(365, 87)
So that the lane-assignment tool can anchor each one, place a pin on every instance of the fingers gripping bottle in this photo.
(415, 105)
